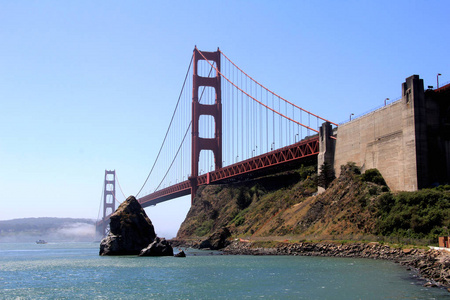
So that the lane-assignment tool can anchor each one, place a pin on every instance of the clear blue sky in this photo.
(90, 85)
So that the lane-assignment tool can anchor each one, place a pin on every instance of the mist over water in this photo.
(70, 232)
(77, 232)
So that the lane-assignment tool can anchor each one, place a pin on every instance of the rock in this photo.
(217, 240)
(430, 284)
(130, 230)
(159, 247)
(180, 254)
(407, 251)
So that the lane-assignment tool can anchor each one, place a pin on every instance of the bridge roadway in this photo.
(301, 150)
(305, 149)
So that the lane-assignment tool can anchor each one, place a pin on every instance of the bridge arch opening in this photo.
(204, 68)
(206, 126)
(206, 162)
(207, 95)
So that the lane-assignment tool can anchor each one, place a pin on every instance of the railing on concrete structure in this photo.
(372, 110)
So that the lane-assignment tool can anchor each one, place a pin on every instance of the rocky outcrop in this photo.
(159, 247)
(361, 250)
(130, 231)
(180, 254)
(433, 265)
(217, 240)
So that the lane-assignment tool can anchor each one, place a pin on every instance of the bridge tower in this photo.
(214, 110)
(109, 196)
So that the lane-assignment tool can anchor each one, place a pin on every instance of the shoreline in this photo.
(432, 265)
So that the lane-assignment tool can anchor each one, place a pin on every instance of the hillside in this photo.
(50, 229)
(354, 207)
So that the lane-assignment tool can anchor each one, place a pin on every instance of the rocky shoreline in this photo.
(432, 265)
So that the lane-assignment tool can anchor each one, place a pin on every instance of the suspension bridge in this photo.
(226, 127)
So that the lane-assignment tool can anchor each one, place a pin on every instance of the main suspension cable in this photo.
(242, 91)
(182, 141)
(168, 129)
(271, 91)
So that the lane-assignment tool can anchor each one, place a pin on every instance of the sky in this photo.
(87, 86)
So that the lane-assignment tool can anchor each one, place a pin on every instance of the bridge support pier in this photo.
(327, 146)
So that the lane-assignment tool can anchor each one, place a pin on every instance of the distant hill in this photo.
(49, 229)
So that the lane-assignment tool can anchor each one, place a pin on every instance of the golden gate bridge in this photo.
(225, 127)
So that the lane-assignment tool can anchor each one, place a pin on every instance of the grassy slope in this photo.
(283, 205)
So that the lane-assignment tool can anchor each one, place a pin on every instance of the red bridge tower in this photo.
(214, 110)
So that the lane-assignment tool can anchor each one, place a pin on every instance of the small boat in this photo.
(41, 242)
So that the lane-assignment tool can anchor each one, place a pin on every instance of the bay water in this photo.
(76, 271)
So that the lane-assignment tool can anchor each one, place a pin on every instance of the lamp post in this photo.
(352, 114)
(437, 79)
(385, 100)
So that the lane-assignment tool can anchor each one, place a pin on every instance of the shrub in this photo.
(326, 175)
(242, 199)
(419, 214)
(374, 176)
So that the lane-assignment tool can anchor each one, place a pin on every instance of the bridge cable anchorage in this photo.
(168, 129)
(280, 114)
(296, 106)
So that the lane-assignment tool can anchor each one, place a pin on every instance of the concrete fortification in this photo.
(408, 141)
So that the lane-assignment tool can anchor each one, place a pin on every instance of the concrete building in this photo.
(408, 141)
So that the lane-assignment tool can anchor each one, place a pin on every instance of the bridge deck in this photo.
(301, 150)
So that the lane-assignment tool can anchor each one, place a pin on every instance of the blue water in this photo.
(75, 271)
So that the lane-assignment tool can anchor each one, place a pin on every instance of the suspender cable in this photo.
(168, 129)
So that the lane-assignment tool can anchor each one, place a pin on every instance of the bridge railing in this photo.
(371, 110)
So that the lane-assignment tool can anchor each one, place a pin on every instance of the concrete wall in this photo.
(385, 139)
(408, 141)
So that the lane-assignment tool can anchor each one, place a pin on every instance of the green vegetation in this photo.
(355, 207)
(374, 176)
(326, 175)
(421, 214)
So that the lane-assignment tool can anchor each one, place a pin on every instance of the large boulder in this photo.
(217, 240)
(130, 230)
(159, 247)
(180, 254)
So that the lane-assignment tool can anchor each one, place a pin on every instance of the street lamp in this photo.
(437, 79)
(352, 114)
(385, 100)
